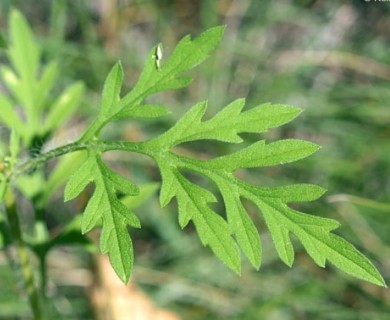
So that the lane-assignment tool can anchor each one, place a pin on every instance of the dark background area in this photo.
(330, 58)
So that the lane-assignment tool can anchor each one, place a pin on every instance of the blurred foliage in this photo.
(330, 58)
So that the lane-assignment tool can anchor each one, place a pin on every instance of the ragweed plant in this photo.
(31, 114)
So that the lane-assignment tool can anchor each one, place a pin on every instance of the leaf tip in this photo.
(235, 266)
(125, 278)
(256, 263)
(68, 194)
(289, 263)
(219, 30)
(15, 14)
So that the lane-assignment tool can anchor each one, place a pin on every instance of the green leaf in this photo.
(111, 90)
(79, 180)
(292, 193)
(9, 116)
(174, 84)
(187, 54)
(31, 185)
(30, 87)
(45, 83)
(14, 145)
(225, 125)
(62, 171)
(105, 207)
(243, 227)
(22, 42)
(223, 236)
(18, 88)
(261, 155)
(24, 55)
(64, 106)
(280, 219)
(212, 229)
(314, 234)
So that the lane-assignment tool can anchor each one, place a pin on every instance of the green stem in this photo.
(102, 146)
(41, 236)
(43, 276)
(23, 256)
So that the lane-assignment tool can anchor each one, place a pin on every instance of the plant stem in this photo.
(23, 256)
(102, 146)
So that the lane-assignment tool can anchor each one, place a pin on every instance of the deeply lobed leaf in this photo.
(187, 54)
(104, 207)
(226, 125)
(313, 232)
(212, 229)
(238, 230)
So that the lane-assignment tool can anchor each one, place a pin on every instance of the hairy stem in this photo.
(102, 146)
(23, 256)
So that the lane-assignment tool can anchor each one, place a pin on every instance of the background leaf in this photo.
(64, 107)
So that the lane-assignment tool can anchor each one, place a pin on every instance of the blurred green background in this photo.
(330, 58)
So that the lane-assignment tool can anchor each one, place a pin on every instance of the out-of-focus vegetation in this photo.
(330, 58)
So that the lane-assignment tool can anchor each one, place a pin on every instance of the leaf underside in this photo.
(225, 237)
